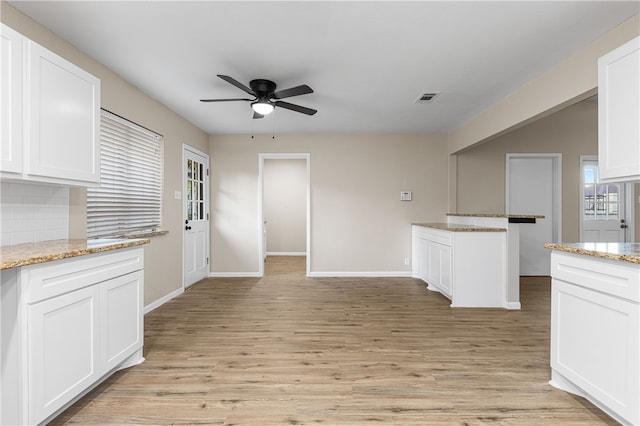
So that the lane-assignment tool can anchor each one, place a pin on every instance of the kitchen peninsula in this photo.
(72, 314)
(511, 223)
(595, 325)
(466, 263)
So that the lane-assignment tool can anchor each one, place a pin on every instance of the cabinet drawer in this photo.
(439, 236)
(58, 277)
(431, 234)
(607, 276)
(420, 232)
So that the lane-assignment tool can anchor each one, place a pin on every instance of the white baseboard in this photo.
(286, 253)
(164, 299)
(369, 274)
(234, 275)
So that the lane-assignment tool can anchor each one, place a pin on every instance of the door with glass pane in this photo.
(196, 215)
(602, 206)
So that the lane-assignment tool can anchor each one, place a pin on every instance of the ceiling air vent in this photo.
(426, 97)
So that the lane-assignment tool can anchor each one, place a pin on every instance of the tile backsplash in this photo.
(31, 213)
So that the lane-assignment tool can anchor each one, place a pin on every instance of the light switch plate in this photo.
(177, 195)
(405, 196)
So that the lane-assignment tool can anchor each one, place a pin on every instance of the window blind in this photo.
(129, 198)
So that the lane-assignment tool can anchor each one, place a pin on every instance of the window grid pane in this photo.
(601, 201)
(196, 174)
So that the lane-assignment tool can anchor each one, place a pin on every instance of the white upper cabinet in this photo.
(54, 110)
(11, 107)
(619, 113)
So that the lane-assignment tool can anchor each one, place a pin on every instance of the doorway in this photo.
(264, 233)
(534, 187)
(604, 207)
(195, 219)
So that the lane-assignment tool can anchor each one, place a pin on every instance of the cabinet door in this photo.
(439, 267)
(122, 318)
(423, 249)
(445, 270)
(433, 264)
(619, 113)
(11, 74)
(63, 343)
(63, 120)
(595, 343)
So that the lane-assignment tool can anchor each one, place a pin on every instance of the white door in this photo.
(603, 206)
(196, 215)
(533, 188)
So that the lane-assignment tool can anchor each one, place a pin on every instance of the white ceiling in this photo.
(366, 61)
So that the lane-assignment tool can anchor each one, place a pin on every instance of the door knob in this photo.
(188, 228)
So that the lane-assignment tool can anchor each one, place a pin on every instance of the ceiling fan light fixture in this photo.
(262, 107)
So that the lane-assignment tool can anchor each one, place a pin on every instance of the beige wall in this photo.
(572, 131)
(358, 223)
(163, 257)
(357, 220)
(285, 205)
(572, 80)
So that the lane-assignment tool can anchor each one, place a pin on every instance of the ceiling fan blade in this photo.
(256, 115)
(294, 91)
(236, 83)
(296, 108)
(226, 100)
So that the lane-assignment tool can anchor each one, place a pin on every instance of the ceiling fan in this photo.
(265, 96)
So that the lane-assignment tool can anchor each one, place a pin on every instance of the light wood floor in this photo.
(286, 349)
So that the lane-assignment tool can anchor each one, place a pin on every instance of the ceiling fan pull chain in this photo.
(273, 125)
(252, 129)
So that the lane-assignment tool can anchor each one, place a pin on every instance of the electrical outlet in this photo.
(406, 260)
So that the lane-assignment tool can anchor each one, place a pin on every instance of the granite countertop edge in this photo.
(626, 252)
(46, 251)
(454, 227)
(502, 215)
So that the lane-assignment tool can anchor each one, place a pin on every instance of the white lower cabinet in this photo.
(595, 332)
(419, 259)
(468, 267)
(68, 324)
(65, 331)
(122, 318)
(439, 267)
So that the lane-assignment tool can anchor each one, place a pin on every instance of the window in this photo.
(601, 200)
(129, 198)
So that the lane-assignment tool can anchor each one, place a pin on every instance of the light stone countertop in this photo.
(454, 227)
(508, 216)
(46, 251)
(626, 252)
